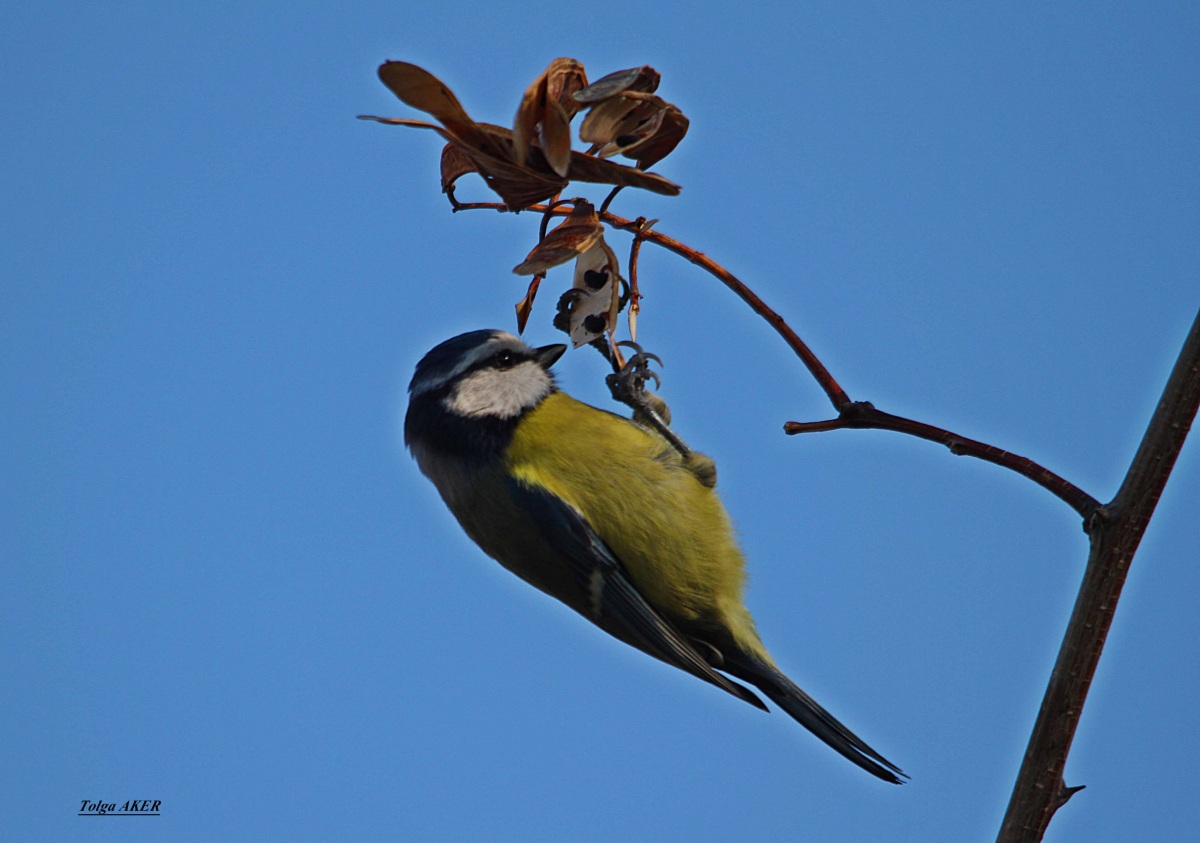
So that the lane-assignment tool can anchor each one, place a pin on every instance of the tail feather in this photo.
(809, 714)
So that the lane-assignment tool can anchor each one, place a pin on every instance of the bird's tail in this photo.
(809, 714)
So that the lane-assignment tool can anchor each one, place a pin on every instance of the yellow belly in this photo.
(669, 530)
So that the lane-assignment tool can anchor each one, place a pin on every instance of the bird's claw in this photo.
(629, 387)
(629, 384)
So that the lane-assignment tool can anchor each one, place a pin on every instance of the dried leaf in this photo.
(639, 126)
(565, 78)
(572, 238)
(519, 194)
(556, 138)
(622, 115)
(491, 149)
(519, 187)
(547, 105)
(644, 78)
(529, 114)
(525, 305)
(598, 171)
(401, 121)
(422, 90)
(455, 165)
(671, 129)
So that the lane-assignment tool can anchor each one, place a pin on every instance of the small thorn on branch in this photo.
(1065, 793)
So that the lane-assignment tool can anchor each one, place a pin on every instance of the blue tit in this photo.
(600, 513)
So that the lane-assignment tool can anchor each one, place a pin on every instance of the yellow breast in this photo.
(668, 529)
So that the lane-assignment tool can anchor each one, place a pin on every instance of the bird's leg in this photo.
(628, 385)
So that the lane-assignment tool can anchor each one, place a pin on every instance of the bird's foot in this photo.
(649, 410)
(628, 385)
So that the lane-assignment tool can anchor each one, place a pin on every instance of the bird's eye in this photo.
(506, 360)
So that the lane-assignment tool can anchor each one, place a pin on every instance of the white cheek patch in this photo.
(504, 394)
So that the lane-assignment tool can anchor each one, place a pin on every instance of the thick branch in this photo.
(863, 415)
(1039, 789)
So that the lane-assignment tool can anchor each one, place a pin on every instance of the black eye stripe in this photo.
(502, 360)
(506, 359)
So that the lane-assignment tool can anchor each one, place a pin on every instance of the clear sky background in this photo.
(227, 587)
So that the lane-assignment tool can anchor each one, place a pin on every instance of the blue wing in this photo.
(613, 602)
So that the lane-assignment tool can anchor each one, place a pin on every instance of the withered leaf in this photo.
(525, 305)
(622, 121)
(597, 170)
(455, 165)
(491, 149)
(644, 79)
(565, 78)
(567, 241)
(419, 88)
(519, 187)
(556, 138)
(422, 90)
(671, 129)
(529, 114)
(639, 126)
(547, 104)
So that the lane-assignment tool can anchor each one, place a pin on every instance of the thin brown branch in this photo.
(635, 294)
(498, 207)
(837, 396)
(1039, 790)
(549, 212)
(612, 194)
(862, 415)
(851, 413)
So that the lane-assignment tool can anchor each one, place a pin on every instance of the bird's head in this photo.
(486, 374)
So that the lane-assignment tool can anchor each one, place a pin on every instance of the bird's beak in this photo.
(548, 355)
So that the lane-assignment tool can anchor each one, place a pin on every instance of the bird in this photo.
(602, 513)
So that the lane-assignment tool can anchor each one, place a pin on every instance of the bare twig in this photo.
(549, 212)
(837, 396)
(612, 194)
(863, 415)
(635, 294)
(1039, 790)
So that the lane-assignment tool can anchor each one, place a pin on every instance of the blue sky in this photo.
(228, 588)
